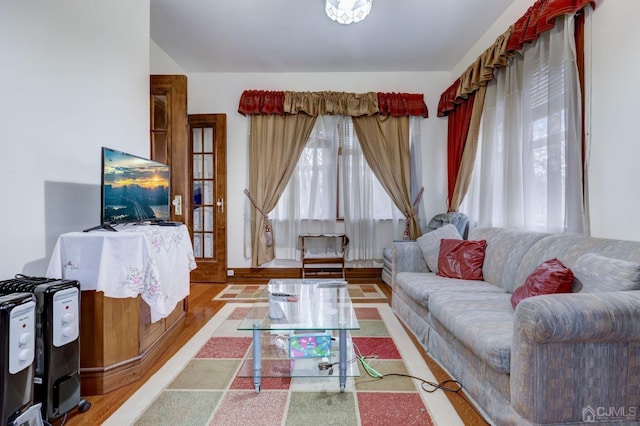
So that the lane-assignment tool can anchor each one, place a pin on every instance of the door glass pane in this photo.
(208, 139)
(208, 245)
(197, 166)
(197, 140)
(197, 193)
(208, 166)
(208, 219)
(197, 244)
(208, 192)
(197, 219)
(159, 146)
(159, 115)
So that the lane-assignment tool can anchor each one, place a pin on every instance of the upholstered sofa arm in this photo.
(576, 350)
(406, 256)
(588, 317)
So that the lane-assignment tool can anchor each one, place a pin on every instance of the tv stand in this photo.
(125, 329)
(103, 226)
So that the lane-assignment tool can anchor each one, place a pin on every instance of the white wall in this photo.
(75, 78)
(615, 149)
(508, 17)
(220, 93)
(613, 162)
(160, 62)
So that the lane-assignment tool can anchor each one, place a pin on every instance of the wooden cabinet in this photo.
(150, 332)
(118, 342)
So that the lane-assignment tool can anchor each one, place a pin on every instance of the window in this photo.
(528, 170)
(334, 190)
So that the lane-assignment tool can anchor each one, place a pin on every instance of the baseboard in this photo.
(263, 275)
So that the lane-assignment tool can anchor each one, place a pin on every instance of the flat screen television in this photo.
(134, 189)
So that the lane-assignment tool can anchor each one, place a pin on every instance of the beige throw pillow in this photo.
(429, 244)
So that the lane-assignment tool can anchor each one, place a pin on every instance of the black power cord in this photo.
(447, 386)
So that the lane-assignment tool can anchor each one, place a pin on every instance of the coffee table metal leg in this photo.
(342, 346)
(257, 362)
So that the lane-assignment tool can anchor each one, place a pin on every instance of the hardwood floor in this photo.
(201, 309)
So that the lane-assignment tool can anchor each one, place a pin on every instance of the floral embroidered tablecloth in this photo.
(151, 261)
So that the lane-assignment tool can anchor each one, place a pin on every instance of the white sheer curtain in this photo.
(315, 202)
(308, 204)
(371, 219)
(495, 195)
(528, 171)
(415, 138)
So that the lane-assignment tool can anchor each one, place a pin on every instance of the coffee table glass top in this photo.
(302, 304)
(301, 328)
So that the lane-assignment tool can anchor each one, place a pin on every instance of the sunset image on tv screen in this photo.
(134, 189)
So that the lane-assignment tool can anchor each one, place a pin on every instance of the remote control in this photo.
(284, 294)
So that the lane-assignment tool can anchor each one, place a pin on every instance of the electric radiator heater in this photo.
(17, 352)
(57, 353)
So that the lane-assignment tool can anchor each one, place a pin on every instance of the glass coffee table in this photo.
(301, 328)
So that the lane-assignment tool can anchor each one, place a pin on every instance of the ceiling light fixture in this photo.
(348, 11)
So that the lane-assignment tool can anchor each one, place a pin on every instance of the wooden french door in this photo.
(208, 195)
(195, 147)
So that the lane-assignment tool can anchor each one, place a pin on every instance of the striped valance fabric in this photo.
(262, 102)
(539, 18)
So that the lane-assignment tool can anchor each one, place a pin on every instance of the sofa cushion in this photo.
(419, 286)
(429, 244)
(461, 259)
(482, 322)
(407, 257)
(505, 250)
(549, 278)
(596, 273)
(569, 248)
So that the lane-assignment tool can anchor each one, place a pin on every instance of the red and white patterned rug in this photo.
(200, 384)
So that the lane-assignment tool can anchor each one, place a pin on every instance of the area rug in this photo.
(249, 292)
(200, 385)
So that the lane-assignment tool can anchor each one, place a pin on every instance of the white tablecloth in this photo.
(147, 260)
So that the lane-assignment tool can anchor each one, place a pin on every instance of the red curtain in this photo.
(459, 111)
(579, 38)
(261, 102)
(541, 17)
(458, 128)
(402, 104)
(448, 99)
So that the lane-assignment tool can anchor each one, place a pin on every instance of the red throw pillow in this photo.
(461, 259)
(549, 278)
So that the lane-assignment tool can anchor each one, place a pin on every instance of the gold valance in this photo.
(331, 103)
(480, 72)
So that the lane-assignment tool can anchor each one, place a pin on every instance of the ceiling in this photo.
(297, 36)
